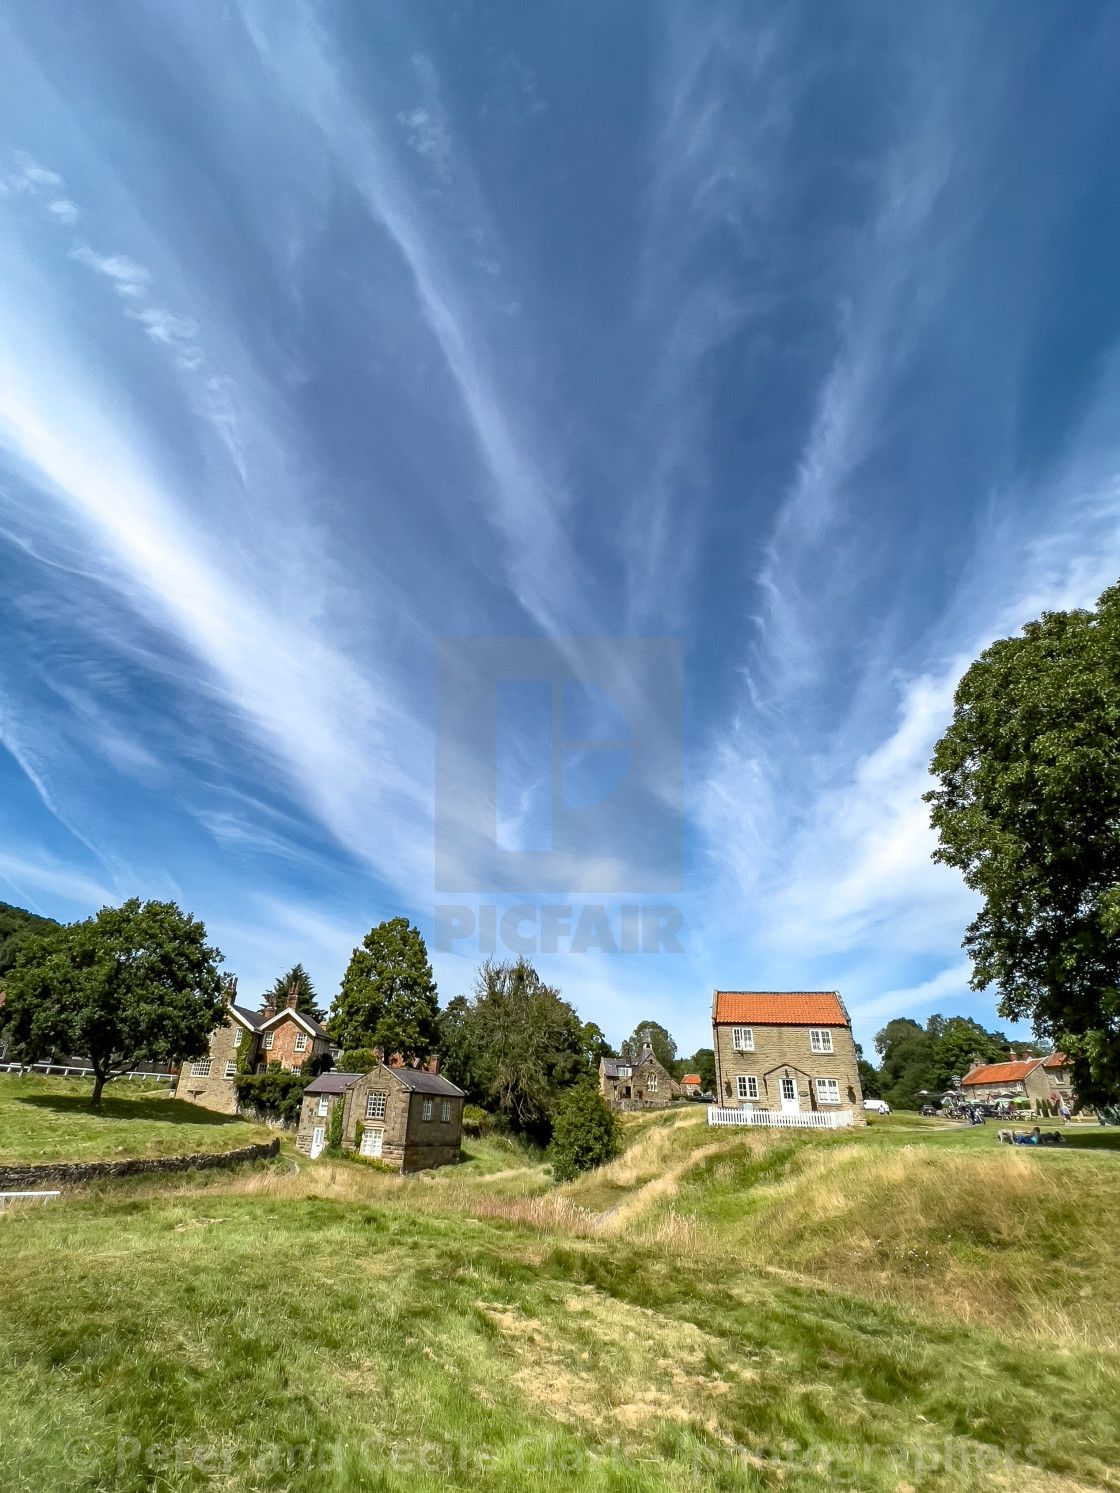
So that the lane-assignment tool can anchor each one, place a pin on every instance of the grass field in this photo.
(904, 1309)
(50, 1119)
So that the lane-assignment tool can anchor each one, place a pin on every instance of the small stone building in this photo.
(408, 1117)
(789, 1051)
(641, 1085)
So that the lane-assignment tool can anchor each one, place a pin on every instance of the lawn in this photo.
(689, 1318)
(50, 1119)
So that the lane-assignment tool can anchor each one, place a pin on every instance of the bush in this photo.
(478, 1122)
(584, 1133)
(357, 1060)
(273, 1092)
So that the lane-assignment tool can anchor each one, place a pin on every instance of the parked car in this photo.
(880, 1106)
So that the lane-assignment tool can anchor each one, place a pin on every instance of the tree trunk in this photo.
(98, 1085)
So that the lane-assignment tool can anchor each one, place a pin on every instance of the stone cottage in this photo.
(641, 1085)
(1046, 1079)
(790, 1051)
(210, 1080)
(411, 1118)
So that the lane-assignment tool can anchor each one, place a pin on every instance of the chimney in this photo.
(293, 997)
(379, 1054)
(269, 1009)
(976, 1063)
(229, 989)
(433, 1063)
(396, 1061)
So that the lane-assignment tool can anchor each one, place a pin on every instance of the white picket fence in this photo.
(798, 1120)
(75, 1070)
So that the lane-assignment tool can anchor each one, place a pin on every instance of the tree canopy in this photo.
(585, 1133)
(1028, 809)
(136, 983)
(16, 927)
(917, 1059)
(388, 997)
(664, 1047)
(306, 1001)
(514, 1044)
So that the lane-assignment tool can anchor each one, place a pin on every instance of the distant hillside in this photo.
(16, 924)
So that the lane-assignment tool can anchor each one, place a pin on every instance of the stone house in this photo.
(1047, 1079)
(691, 1085)
(290, 1037)
(210, 1080)
(641, 1085)
(411, 1118)
(790, 1051)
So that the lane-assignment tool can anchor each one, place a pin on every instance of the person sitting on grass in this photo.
(1022, 1139)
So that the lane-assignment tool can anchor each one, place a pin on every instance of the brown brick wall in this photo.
(782, 1049)
(283, 1050)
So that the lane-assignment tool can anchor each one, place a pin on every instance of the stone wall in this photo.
(787, 1050)
(68, 1174)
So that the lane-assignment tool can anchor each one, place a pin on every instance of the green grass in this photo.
(50, 1119)
(687, 1318)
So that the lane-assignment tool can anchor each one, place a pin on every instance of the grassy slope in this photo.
(341, 1329)
(45, 1119)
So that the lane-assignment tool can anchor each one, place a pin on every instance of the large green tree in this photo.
(514, 1044)
(137, 983)
(664, 1046)
(306, 1001)
(1028, 809)
(585, 1133)
(388, 997)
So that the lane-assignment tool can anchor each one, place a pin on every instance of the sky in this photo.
(336, 334)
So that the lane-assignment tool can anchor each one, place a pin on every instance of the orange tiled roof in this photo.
(780, 1007)
(1002, 1072)
(1057, 1060)
(691, 1078)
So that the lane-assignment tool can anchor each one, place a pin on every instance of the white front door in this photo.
(371, 1142)
(788, 1090)
(318, 1136)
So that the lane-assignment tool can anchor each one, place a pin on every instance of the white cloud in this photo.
(64, 210)
(128, 278)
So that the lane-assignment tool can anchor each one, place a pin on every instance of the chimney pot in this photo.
(396, 1061)
(293, 997)
(433, 1063)
(379, 1054)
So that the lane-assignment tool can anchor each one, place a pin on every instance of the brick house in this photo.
(691, 1085)
(210, 1081)
(290, 1037)
(1047, 1079)
(411, 1118)
(789, 1051)
(641, 1085)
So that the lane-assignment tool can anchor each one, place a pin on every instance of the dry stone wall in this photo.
(68, 1174)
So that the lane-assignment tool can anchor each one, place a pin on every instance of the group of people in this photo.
(1033, 1137)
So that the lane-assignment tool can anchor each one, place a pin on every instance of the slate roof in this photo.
(420, 1081)
(253, 1019)
(779, 1008)
(332, 1083)
(612, 1065)
(1002, 1072)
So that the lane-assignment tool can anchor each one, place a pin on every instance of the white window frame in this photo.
(445, 1112)
(651, 1084)
(375, 1106)
(231, 1067)
(324, 1104)
(624, 1072)
(200, 1068)
(820, 1039)
(426, 1109)
(238, 1033)
(266, 1041)
(828, 1090)
(742, 1039)
(747, 1086)
(301, 1041)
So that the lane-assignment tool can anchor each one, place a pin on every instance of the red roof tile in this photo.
(691, 1078)
(1002, 1072)
(780, 1007)
(1057, 1060)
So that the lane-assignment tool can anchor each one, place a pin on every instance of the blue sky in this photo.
(330, 330)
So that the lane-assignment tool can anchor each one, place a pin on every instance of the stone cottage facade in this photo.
(645, 1084)
(410, 1118)
(789, 1051)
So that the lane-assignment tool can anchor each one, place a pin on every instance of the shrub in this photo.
(478, 1122)
(357, 1060)
(273, 1092)
(334, 1130)
(585, 1133)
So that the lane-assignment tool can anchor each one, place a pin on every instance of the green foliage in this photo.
(585, 1133)
(357, 1060)
(703, 1062)
(388, 996)
(960, 1043)
(273, 1092)
(514, 1045)
(334, 1129)
(16, 927)
(664, 1047)
(916, 1059)
(869, 1077)
(298, 978)
(1028, 809)
(137, 983)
